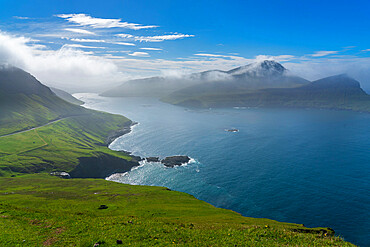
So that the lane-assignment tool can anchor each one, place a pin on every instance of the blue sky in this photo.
(120, 40)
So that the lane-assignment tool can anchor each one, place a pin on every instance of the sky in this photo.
(79, 45)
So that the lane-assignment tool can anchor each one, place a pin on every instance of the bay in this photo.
(294, 165)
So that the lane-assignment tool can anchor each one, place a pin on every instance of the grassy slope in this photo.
(39, 210)
(59, 145)
(21, 111)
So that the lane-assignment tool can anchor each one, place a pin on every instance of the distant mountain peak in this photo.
(340, 81)
(262, 68)
(271, 65)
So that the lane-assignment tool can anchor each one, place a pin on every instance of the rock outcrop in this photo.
(152, 159)
(125, 130)
(102, 166)
(173, 161)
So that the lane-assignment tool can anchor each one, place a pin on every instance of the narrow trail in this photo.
(35, 128)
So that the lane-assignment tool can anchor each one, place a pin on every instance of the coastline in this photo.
(103, 165)
(121, 132)
(128, 128)
(135, 142)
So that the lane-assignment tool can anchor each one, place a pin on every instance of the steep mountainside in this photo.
(65, 137)
(66, 96)
(265, 74)
(26, 103)
(335, 92)
(149, 87)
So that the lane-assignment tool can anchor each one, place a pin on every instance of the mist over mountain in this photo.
(66, 96)
(334, 92)
(256, 75)
(25, 102)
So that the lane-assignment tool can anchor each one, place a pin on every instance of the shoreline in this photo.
(127, 129)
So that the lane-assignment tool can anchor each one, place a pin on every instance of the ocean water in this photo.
(303, 166)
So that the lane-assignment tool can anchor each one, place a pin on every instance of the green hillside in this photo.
(69, 145)
(26, 103)
(40, 210)
(67, 137)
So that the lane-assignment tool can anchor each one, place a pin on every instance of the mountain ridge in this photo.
(334, 92)
(41, 132)
(27, 103)
(261, 74)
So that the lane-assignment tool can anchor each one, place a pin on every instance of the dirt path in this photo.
(34, 127)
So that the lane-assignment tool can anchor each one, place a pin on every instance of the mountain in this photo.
(253, 76)
(149, 87)
(26, 103)
(66, 96)
(40, 132)
(334, 92)
(259, 69)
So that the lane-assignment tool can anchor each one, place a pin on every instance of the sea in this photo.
(303, 166)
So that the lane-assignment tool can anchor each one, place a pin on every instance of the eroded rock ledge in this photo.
(173, 161)
(125, 130)
(102, 166)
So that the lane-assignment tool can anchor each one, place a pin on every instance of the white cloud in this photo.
(279, 58)
(125, 35)
(98, 41)
(87, 20)
(123, 43)
(151, 49)
(366, 50)
(88, 40)
(82, 46)
(21, 17)
(76, 65)
(139, 54)
(78, 30)
(323, 53)
(314, 69)
(210, 55)
(158, 38)
(65, 68)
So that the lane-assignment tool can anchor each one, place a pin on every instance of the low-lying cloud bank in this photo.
(358, 68)
(67, 67)
(72, 68)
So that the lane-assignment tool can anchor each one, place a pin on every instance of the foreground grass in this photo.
(40, 210)
(58, 146)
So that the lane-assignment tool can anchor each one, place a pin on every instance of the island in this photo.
(173, 161)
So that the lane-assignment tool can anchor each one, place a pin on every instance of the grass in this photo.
(22, 112)
(21, 143)
(40, 210)
(59, 146)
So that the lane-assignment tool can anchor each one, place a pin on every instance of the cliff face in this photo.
(115, 134)
(102, 166)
